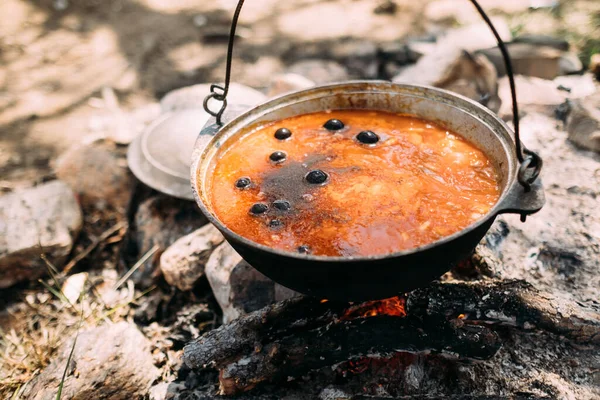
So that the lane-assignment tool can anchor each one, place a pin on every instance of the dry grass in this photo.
(45, 319)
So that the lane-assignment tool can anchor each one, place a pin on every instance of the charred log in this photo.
(298, 335)
(344, 340)
(303, 334)
(515, 303)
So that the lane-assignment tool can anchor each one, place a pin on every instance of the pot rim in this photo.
(199, 159)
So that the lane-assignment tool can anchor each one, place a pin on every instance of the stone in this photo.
(320, 71)
(109, 362)
(182, 264)
(583, 122)
(47, 215)
(595, 65)
(531, 59)
(471, 75)
(386, 7)
(569, 63)
(541, 94)
(452, 65)
(239, 288)
(360, 57)
(160, 221)
(166, 391)
(543, 40)
(97, 175)
(402, 54)
(285, 83)
(73, 286)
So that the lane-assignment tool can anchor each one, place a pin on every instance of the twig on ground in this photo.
(95, 242)
(138, 264)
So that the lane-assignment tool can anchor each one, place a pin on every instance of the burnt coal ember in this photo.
(291, 338)
(303, 334)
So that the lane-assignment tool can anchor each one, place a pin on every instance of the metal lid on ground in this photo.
(160, 157)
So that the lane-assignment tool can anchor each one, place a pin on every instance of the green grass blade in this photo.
(64, 375)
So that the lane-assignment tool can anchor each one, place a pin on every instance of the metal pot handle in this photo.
(531, 163)
(523, 202)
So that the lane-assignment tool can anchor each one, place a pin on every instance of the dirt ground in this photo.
(57, 56)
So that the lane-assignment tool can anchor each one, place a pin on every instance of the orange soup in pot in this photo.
(350, 183)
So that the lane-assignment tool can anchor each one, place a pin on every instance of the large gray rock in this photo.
(182, 264)
(238, 287)
(471, 75)
(97, 174)
(47, 215)
(433, 66)
(160, 221)
(111, 362)
(531, 59)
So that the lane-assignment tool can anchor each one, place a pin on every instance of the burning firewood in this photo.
(293, 337)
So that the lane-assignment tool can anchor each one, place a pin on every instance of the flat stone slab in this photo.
(43, 219)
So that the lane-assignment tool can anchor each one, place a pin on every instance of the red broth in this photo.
(418, 183)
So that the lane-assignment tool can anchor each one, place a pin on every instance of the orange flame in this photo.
(393, 306)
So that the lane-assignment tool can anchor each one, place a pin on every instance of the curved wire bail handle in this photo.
(531, 163)
(222, 97)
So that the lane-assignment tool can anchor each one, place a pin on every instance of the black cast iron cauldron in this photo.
(380, 276)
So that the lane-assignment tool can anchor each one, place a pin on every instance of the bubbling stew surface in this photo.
(350, 183)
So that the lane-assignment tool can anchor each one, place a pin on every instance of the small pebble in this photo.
(334, 125)
(278, 157)
(316, 177)
(283, 134)
(282, 205)
(367, 137)
(243, 183)
(304, 249)
(259, 208)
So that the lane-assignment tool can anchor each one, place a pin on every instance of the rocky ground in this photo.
(103, 280)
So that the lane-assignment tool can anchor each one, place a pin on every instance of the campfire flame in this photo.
(393, 306)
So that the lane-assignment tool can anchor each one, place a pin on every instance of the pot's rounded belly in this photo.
(401, 183)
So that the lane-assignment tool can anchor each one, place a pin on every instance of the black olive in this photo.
(282, 205)
(316, 177)
(367, 137)
(278, 157)
(334, 125)
(259, 208)
(283, 133)
(303, 249)
(243, 183)
(275, 224)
